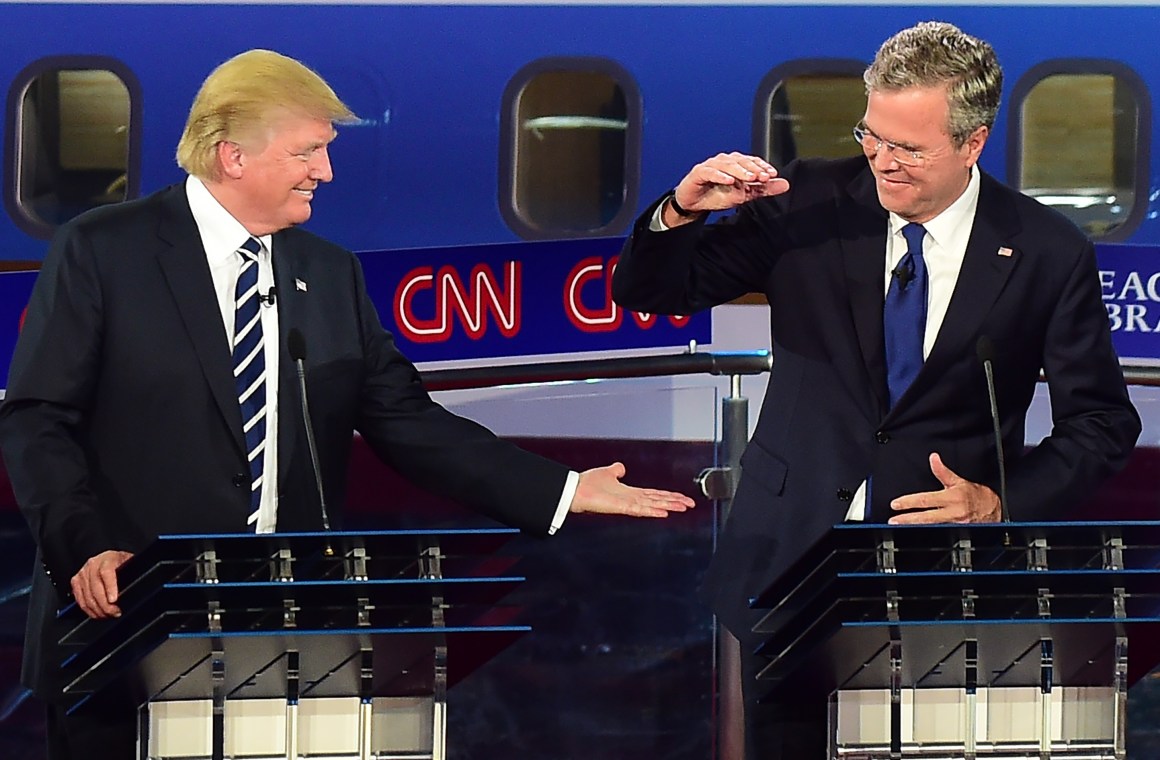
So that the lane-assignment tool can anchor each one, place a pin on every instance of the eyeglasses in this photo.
(871, 143)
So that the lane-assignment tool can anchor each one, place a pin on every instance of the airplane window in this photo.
(1077, 145)
(572, 134)
(71, 143)
(806, 109)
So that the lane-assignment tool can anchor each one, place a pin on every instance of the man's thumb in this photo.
(945, 474)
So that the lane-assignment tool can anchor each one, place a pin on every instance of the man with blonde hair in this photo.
(249, 94)
(150, 392)
(884, 273)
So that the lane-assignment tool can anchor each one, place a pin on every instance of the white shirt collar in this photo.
(942, 228)
(221, 234)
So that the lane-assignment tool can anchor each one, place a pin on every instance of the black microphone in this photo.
(296, 345)
(985, 350)
(904, 275)
(270, 297)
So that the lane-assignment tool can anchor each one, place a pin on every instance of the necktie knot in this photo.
(912, 261)
(913, 233)
(250, 248)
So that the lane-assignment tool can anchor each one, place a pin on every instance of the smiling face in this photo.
(274, 179)
(916, 119)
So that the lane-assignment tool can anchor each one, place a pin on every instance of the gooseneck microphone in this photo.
(985, 350)
(296, 345)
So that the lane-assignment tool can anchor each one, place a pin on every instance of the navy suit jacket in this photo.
(818, 255)
(121, 421)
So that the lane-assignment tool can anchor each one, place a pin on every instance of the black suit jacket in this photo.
(121, 421)
(818, 254)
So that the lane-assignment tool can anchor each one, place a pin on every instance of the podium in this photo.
(996, 641)
(335, 645)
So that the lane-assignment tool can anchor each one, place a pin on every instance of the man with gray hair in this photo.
(883, 275)
(152, 390)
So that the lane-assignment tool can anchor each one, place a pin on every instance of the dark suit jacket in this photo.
(121, 420)
(818, 254)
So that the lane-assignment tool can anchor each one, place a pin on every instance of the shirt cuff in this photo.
(565, 504)
(657, 224)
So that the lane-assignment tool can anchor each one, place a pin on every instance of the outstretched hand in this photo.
(600, 490)
(960, 501)
(95, 586)
(726, 181)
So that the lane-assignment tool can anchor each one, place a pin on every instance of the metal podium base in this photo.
(1077, 723)
(327, 729)
(328, 646)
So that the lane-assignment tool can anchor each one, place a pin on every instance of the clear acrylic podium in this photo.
(325, 645)
(986, 641)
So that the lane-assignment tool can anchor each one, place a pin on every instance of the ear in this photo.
(973, 147)
(232, 159)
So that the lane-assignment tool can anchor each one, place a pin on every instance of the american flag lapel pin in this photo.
(1005, 251)
(301, 284)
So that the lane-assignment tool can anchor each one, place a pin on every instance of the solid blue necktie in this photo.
(904, 326)
(250, 369)
(904, 315)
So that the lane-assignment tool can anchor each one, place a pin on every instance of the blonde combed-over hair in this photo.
(243, 98)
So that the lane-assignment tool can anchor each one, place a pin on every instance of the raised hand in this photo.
(723, 182)
(95, 585)
(600, 490)
(960, 501)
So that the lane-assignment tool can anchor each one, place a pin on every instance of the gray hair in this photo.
(933, 54)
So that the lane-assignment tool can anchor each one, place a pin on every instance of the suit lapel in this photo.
(863, 226)
(183, 262)
(989, 260)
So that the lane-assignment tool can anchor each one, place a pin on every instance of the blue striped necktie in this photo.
(250, 369)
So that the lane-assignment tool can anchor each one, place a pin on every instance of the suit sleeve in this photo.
(50, 386)
(441, 451)
(696, 266)
(1094, 425)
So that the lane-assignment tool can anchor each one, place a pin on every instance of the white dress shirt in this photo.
(221, 236)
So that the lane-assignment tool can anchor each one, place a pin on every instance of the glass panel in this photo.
(73, 149)
(1078, 145)
(811, 115)
(570, 135)
(620, 660)
(1130, 495)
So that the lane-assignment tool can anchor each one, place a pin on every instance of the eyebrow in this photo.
(903, 145)
(319, 144)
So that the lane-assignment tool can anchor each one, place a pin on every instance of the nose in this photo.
(320, 166)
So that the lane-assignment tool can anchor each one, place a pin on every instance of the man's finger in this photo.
(81, 595)
(945, 474)
(642, 511)
(775, 186)
(925, 517)
(92, 596)
(100, 596)
(666, 497)
(921, 500)
(108, 574)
